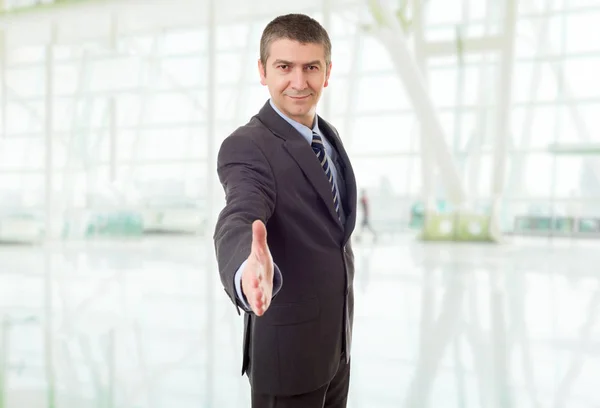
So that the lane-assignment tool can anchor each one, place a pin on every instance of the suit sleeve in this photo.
(250, 194)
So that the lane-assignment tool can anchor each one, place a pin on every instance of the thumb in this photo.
(259, 238)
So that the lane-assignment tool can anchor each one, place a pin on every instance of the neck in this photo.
(307, 121)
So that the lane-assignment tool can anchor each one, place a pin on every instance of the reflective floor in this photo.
(146, 324)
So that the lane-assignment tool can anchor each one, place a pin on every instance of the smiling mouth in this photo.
(299, 97)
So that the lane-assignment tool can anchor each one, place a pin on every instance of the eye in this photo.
(283, 66)
(312, 68)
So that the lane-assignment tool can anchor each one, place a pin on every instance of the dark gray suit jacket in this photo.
(269, 172)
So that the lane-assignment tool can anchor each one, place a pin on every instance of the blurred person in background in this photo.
(282, 240)
(365, 224)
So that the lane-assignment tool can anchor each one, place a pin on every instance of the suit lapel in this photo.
(302, 153)
(349, 177)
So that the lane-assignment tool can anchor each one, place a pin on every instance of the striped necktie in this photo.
(319, 149)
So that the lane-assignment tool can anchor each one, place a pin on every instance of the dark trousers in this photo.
(331, 395)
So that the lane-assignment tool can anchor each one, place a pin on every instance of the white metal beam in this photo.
(241, 93)
(459, 97)
(478, 138)
(392, 37)
(474, 148)
(516, 180)
(189, 92)
(49, 225)
(326, 101)
(352, 84)
(112, 106)
(503, 126)
(112, 134)
(427, 158)
(48, 137)
(151, 64)
(3, 85)
(211, 166)
(582, 129)
(470, 45)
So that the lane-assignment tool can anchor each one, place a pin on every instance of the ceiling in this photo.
(84, 20)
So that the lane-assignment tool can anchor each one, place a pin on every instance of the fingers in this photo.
(258, 294)
(259, 283)
(258, 301)
(254, 294)
(259, 238)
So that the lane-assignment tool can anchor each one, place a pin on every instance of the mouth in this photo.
(298, 98)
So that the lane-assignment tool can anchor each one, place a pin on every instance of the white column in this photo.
(477, 139)
(49, 222)
(48, 133)
(392, 36)
(3, 86)
(112, 106)
(211, 163)
(112, 118)
(325, 109)
(4, 353)
(515, 182)
(560, 102)
(427, 158)
(351, 84)
(503, 126)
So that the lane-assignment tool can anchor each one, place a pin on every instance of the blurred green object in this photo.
(21, 227)
(564, 224)
(589, 225)
(118, 224)
(456, 226)
(546, 225)
(417, 213)
(533, 223)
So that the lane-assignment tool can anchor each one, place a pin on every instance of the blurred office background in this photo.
(473, 126)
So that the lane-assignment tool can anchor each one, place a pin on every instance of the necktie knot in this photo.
(317, 143)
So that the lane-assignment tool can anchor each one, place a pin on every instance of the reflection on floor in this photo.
(146, 324)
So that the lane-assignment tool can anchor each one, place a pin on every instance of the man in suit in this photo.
(283, 238)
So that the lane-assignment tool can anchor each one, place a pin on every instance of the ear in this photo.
(262, 72)
(328, 72)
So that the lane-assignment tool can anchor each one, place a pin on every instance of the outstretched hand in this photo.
(257, 277)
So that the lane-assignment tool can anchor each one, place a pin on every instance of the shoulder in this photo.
(252, 132)
(250, 138)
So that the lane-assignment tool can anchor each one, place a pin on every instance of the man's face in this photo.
(295, 74)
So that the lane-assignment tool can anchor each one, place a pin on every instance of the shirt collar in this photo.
(305, 131)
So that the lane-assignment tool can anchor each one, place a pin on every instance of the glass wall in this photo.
(128, 116)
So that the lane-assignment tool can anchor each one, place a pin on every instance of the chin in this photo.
(297, 107)
(300, 112)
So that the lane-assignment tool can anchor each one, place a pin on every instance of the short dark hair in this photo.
(296, 27)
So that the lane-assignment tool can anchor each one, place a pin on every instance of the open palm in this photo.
(257, 277)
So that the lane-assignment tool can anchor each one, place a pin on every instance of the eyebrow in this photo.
(284, 62)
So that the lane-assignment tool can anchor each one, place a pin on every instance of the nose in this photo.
(298, 80)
